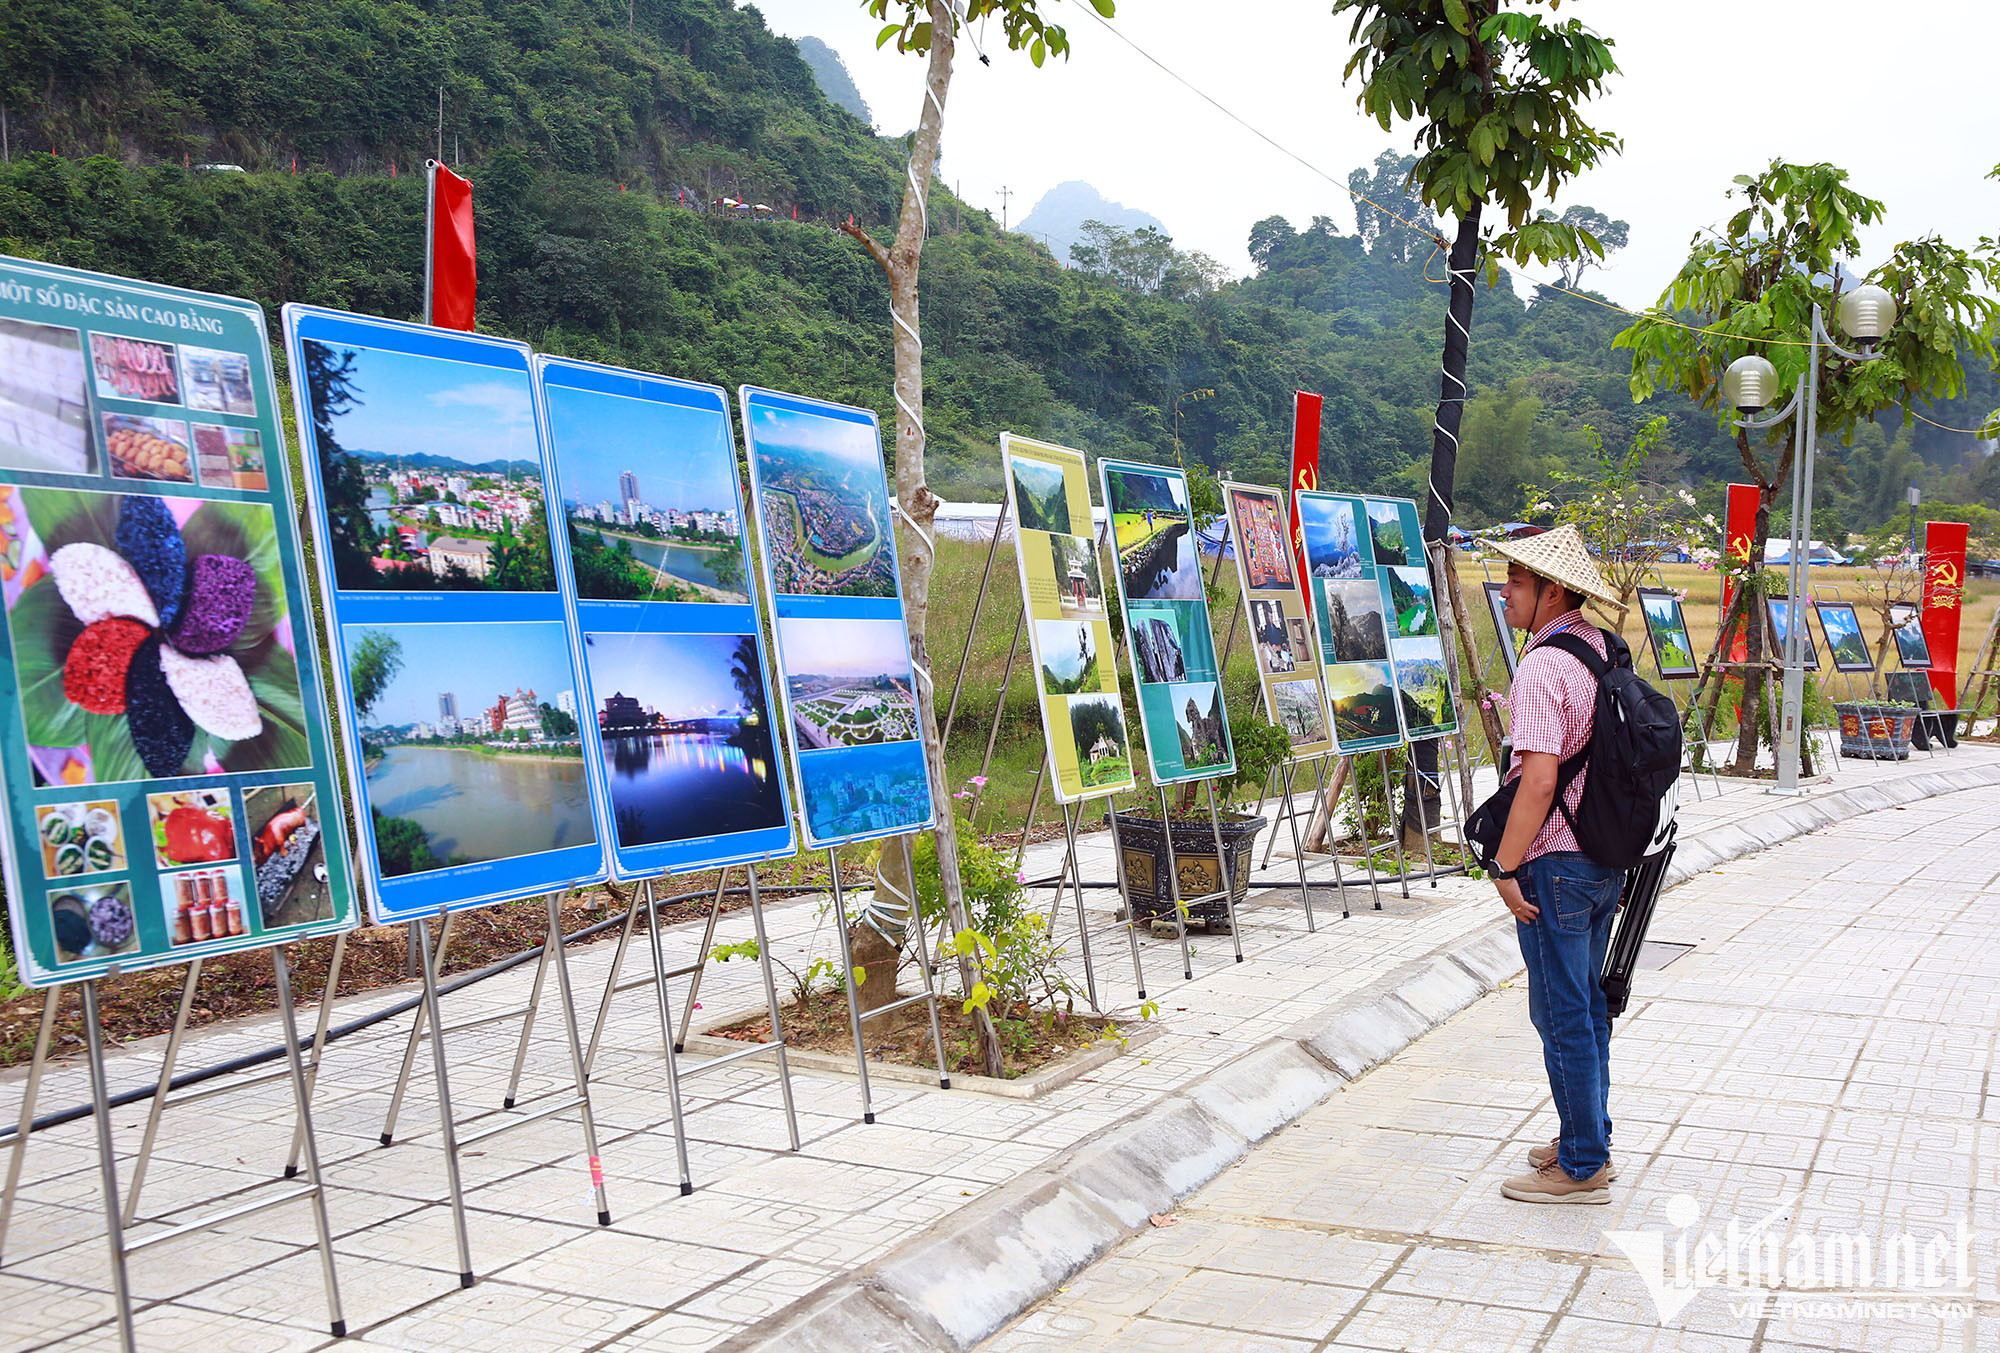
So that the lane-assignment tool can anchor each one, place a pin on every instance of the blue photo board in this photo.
(677, 708)
(454, 654)
(829, 552)
(1409, 601)
(170, 786)
(1172, 648)
(1352, 619)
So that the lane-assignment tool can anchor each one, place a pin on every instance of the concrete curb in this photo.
(965, 1277)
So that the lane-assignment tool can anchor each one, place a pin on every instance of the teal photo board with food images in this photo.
(170, 785)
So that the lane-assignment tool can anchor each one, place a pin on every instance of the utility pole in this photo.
(1916, 496)
(956, 191)
(440, 150)
(1005, 193)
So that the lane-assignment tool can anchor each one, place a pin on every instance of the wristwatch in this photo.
(1494, 871)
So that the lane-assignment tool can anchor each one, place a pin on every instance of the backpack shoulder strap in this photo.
(1575, 645)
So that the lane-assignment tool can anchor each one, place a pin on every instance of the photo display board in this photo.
(170, 785)
(1378, 627)
(1913, 650)
(1287, 662)
(676, 704)
(844, 671)
(1666, 629)
(1069, 628)
(1781, 627)
(456, 664)
(1158, 567)
(1844, 641)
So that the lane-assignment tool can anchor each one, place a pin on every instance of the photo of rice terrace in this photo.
(1363, 698)
(150, 636)
(1156, 549)
(1426, 686)
(1069, 656)
(1097, 729)
(849, 680)
(1040, 496)
(431, 473)
(824, 504)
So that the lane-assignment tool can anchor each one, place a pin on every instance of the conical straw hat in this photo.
(1561, 557)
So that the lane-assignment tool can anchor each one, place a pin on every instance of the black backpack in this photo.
(1634, 758)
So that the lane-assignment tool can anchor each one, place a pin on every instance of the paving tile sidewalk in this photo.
(1821, 1058)
(764, 1225)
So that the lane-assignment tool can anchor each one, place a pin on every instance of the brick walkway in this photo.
(1821, 1056)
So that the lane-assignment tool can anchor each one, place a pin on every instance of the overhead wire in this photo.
(1439, 243)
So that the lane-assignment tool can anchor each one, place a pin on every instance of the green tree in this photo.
(376, 660)
(1752, 286)
(1612, 235)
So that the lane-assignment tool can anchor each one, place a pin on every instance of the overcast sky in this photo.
(1708, 89)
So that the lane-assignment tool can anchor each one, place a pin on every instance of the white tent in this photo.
(1779, 551)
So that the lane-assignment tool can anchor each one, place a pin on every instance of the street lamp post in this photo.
(1916, 496)
(1749, 385)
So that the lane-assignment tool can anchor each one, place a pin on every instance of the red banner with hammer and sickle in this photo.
(1739, 533)
(1305, 475)
(1944, 603)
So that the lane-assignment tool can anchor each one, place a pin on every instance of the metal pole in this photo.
(29, 1093)
(847, 983)
(1222, 873)
(1125, 891)
(107, 1167)
(1034, 805)
(159, 1103)
(667, 1044)
(771, 1004)
(420, 934)
(701, 961)
(302, 1097)
(421, 940)
(555, 942)
(1290, 770)
(318, 1045)
(1423, 818)
(1793, 699)
(1074, 870)
(1174, 886)
(611, 983)
(1361, 829)
(1395, 825)
(999, 709)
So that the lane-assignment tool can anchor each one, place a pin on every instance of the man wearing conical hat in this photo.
(1561, 900)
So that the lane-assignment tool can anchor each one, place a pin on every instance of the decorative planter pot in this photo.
(1145, 849)
(1876, 732)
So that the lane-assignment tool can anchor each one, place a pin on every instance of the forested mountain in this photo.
(598, 131)
(834, 80)
(1057, 218)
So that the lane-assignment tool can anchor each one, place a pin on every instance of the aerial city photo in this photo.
(824, 505)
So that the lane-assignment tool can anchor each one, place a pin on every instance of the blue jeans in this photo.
(1564, 950)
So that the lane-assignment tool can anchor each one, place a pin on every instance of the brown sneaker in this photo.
(1550, 1185)
(1538, 1156)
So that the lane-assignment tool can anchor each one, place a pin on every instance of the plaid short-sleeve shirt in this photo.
(1553, 701)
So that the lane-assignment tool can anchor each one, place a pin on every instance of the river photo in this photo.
(474, 806)
(678, 786)
(681, 561)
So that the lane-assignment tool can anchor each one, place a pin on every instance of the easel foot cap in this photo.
(507, 1103)
(291, 1171)
(465, 1280)
(340, 1329)
(868, 1117)
(944, 1082)
(388, 1139)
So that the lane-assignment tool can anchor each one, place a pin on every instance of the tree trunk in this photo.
(899, 262)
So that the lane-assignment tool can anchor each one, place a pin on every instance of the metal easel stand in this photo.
(1326, 801)
(1174, 886)
(312, 1191)
(672, 1044)
(27, 1121)
(928, 996)
(553, 955)
(1289, 813)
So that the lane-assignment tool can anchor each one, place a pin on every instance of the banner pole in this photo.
(430, 232)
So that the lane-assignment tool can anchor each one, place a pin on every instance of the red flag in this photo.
(1739, 533)
(1305, 475)
(451, 272)
(1944, 602)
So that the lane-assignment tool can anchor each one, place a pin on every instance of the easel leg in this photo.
(419, 939)
(29, 1092)
(701, 964)
(771, 1004)
(667, 1044)
(1174, 888)
(319, 1045)
(159, 1104)
(611, 982)
(1290, 773)
(1223, 874)
(555, 943)
(302, 1097)
(1361, 830)
(1395, 827)
(420, 936)
(107, 1167)
(929, 971)
(1423, 817)
(1034, 805)
(847, 984)
(549, 946)
(1125, 892)
(1322, 805)
(1075, 872)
